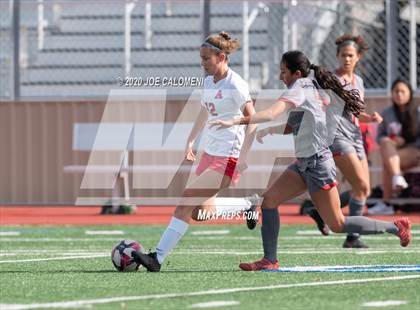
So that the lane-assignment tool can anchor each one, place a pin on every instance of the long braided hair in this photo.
(296, 60)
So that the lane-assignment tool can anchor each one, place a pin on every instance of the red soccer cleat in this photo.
(262, 264)
(404, 232)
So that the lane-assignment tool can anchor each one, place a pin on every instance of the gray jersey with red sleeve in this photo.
(307, 120)
(348, 125)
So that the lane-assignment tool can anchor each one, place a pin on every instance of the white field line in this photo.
(209, 232)
(118, 239)
(9, 233)
(87, 302)
(85, 251)
(54, 252)
(314, 233)
(51, 258)
(346, 270)
(386, 303)
(310, 232)
(317, 233)
(286, 238)
(90, 254)
(385, 251)
(344, 251)
(385, 267)
(66, 256)
(104, 232)
(215, 304)
(323, 247)
(57, 239)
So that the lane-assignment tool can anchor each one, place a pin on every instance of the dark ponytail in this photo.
(296, 60)
(327, 80)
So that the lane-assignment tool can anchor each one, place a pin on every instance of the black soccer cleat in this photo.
(354, 242)
(252, 213)
(322, 227)
(306, 206)
(149, 261)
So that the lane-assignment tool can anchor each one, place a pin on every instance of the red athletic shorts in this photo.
(223, 165)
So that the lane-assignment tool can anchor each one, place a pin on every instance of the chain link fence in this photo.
(81, 48)
(6, 51)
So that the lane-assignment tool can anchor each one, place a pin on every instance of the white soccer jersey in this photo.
(225, 100)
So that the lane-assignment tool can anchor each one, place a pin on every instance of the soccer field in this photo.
(70, 267)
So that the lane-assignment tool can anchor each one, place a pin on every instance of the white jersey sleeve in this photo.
(241, 92)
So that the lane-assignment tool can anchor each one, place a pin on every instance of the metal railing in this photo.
(67, 41)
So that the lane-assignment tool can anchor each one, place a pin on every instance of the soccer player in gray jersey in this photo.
(347, 147)
(314, 169)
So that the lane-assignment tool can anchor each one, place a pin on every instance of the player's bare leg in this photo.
(286, 187)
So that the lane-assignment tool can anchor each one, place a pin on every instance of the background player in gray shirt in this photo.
(347, 147)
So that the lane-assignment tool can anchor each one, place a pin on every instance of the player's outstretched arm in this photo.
(251, 130)
(279, 129)
(198, 126)
(263, 116)
(375, 117)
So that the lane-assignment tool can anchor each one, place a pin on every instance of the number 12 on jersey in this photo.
(211, 108)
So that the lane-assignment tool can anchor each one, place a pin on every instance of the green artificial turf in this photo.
(207, 264)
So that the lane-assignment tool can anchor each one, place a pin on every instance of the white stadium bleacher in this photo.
(83, 50)
(83, 43)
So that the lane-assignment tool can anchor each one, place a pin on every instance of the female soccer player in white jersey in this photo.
(225, 96)
(314, 169)
(347, 148)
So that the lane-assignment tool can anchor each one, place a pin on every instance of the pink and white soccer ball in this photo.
(121, 255)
